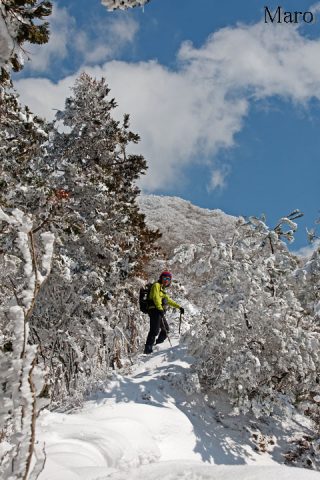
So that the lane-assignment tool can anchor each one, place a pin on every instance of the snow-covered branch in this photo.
(123, 4)
(23, 379)
(256, 336)
(19, 22)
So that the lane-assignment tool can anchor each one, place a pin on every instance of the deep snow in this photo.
(153, 424)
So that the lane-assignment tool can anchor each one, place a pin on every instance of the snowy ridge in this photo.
(181, 222)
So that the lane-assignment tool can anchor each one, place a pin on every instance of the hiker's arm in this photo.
(155, 296)
(171, 302)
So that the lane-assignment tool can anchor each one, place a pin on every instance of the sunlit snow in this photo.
(148, 425)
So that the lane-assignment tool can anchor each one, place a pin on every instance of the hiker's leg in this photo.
(164, 331)
(162, 336)
(155, 318)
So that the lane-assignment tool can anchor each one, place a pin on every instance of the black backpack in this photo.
(143, 298)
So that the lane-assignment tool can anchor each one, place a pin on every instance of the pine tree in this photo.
(93, 163)
(19, 22)
(22, 135)
(101, 236)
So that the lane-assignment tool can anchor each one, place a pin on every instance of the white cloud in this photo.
(315, 8)
(98, 43)
(62, 28)
(190, 114)
(43, 96)
(306, 252)
(124, 29)
(113, 36)
(259, 60)
(218, 179)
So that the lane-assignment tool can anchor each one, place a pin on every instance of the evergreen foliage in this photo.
(22, 135)
(102, 242)
(19, 23)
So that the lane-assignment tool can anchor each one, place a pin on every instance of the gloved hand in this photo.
(182, 310)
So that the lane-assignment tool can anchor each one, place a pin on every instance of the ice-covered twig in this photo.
(22, 377)
(123, 4)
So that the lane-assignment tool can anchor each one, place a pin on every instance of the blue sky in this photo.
(227, 107)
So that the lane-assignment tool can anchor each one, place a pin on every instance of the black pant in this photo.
(157, 322)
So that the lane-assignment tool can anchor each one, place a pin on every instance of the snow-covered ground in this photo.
(153, 424)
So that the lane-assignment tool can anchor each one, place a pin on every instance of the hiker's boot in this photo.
(147, 349)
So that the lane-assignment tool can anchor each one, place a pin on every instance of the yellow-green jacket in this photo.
(157, 294)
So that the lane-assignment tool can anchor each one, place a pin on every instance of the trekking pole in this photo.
(164, 327)
(180, 320)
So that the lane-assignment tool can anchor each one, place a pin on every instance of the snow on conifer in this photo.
(123, 4)
(18, 356)
(85, 317)
(20, 21)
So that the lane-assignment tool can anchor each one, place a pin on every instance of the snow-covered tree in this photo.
(123, 4)
(22, 135)
(91, 161)
(309, 276)
(253, 338)
(20, 21)
(24, 267)
(80, 186)
(25, 252)
(102, 239)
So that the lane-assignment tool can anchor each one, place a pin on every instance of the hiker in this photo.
(157, 302)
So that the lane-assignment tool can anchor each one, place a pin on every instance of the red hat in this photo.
(166, 274)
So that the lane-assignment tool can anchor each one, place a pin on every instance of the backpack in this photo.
(143, 298)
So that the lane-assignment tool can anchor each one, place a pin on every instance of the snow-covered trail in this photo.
(154, 425)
